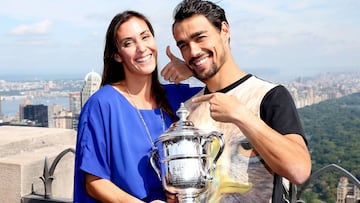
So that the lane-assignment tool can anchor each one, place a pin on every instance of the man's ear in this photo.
(225, 30)
(117, 58)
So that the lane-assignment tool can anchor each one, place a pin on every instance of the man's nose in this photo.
(194, 49)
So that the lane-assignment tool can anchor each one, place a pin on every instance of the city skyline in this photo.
(274, 38)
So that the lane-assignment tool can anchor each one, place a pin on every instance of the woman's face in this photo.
(136, 47)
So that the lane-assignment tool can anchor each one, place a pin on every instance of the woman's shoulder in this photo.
(102, 95)
(182, 87)
(177, 93)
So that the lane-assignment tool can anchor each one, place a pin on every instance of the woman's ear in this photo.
(117, 58)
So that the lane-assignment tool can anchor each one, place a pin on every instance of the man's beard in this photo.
(206, 75)
(203, 76)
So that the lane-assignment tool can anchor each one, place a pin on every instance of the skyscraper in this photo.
(38, 114)
(21, 108)
(74, 102)
(91, 84)
(347, 192)
(75, 107)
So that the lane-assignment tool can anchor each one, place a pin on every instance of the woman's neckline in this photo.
(129, 99)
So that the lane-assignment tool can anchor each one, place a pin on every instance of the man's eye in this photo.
(201, 37)
(146, 37)
(182, 46)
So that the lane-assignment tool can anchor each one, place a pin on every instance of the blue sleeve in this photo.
(179, 93)
(92, 140)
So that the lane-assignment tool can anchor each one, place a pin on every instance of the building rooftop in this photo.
(23, 151)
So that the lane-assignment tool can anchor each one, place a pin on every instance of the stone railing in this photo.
(22, 171)
(47, 179)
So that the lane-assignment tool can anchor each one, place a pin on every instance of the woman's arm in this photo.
(106, 191)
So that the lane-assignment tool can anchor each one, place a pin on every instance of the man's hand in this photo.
(176, 70)
(223, 107)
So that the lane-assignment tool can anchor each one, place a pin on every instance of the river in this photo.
(10, 108)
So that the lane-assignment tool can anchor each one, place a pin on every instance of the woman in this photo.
(120, 122)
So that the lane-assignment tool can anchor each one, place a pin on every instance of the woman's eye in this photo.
(127, 43)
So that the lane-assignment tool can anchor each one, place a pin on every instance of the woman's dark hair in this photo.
(187, 8)
(113, 71)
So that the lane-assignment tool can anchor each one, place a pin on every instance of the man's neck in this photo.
(227, 74)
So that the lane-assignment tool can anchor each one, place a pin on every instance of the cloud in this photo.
(273, 33)
(39, 28)
(33, 42)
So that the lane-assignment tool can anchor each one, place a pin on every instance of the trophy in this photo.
(185, 158)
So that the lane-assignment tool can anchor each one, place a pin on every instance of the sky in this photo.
(276, 39)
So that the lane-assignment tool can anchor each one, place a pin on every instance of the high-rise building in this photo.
(53, 111)
(91, 85)
(74, 102)
(75, 107)
(37, 114)
(346, 192)
(342, 190)
(60, 118)
(21, 109)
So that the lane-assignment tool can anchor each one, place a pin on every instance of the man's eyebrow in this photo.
(192, 36)
(197, 33)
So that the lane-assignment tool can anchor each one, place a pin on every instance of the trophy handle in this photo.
(154, 156)
(220, 139)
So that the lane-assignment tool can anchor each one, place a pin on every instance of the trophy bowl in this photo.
(184, 158)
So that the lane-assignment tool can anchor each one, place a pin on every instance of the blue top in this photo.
(112, 142)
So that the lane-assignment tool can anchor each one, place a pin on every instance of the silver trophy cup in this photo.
(185, 158)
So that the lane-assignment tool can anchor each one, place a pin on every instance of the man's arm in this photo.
(176, 70)
(286, 155)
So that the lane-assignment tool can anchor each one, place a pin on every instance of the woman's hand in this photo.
(171, 198)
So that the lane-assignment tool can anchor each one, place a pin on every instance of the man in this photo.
(264, 138)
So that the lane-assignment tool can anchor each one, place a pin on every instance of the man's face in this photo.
(201, 45)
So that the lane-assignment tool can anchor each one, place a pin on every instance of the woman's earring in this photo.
(117, 58)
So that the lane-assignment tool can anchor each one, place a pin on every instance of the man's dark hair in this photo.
(188, 8)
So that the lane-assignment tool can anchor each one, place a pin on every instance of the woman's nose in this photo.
(141, 46)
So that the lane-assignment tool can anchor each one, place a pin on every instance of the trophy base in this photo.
(186, 198)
